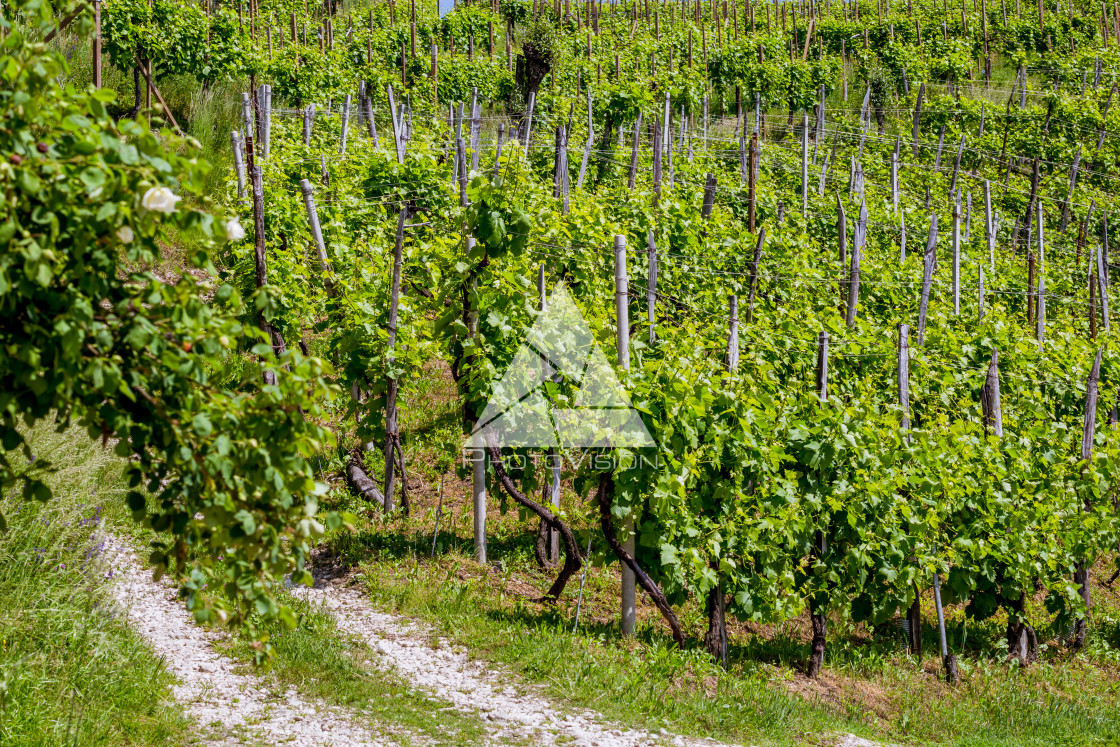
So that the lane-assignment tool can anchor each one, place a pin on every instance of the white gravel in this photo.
(237, 708)
(511, 711)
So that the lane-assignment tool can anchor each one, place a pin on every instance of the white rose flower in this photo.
(160, 200)
(124, 233)
(234, 231)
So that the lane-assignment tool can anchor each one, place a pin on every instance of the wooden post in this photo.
(751, 179)
(894, 178)
(345, 125)
(733, 333)
(805, 164)
(709, 196)
(903, 368)
(146, 71)
(461, 169)
(927, 277)
(435, 76)
(956, 168)
(917, 118)
(621, 307)
(1081, 576)
(822, 366)
(529, 123)
(392, 435)
(956, 248)
(97, 43)
(634, 150)
(902, 240)
(1040, 315)
(1072, 184)
(989, 225)
(853, 275)
(553, 462)
(754, 275)
(259, 254)
(651, 286)
(308, 117)
(950, 661)
(498, 149)
(398, 138)
(1030, 285)
(980, 293)
(1092, 299)
(989, 398)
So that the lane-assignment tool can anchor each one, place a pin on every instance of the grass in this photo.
(871, 686)
(71, 671)
(322, 662)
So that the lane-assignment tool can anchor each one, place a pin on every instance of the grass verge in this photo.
(71, 670)
(320, 661)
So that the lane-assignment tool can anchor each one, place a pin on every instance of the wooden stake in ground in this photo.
(817, 615)
(822, 366)
(860, 239)
(956, 248)
(398, 136)
(529, 123)
(345, 125)
(1072, 185)
(392, 433)
(634, 151)
(1081, 576)
(949, 660)
(709, 196)
(97, 43)
(1102, 280)
(261, 263)
(754, 274)
(308, 118)
(1040, 314)
(651, 286)
(805, 163)
(927, 277)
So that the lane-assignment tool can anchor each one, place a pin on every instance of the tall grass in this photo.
(71, 671)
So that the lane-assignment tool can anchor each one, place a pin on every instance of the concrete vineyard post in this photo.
(238, 163)
(949, 661)
(478, 455)
(316, 231)
(622, 339)
(345, 125)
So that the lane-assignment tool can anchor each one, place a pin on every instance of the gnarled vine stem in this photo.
(605, 483)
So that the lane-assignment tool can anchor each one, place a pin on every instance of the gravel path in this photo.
(236, 708)
(512, 713)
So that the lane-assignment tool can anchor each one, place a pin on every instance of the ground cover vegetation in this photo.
(866, 281)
